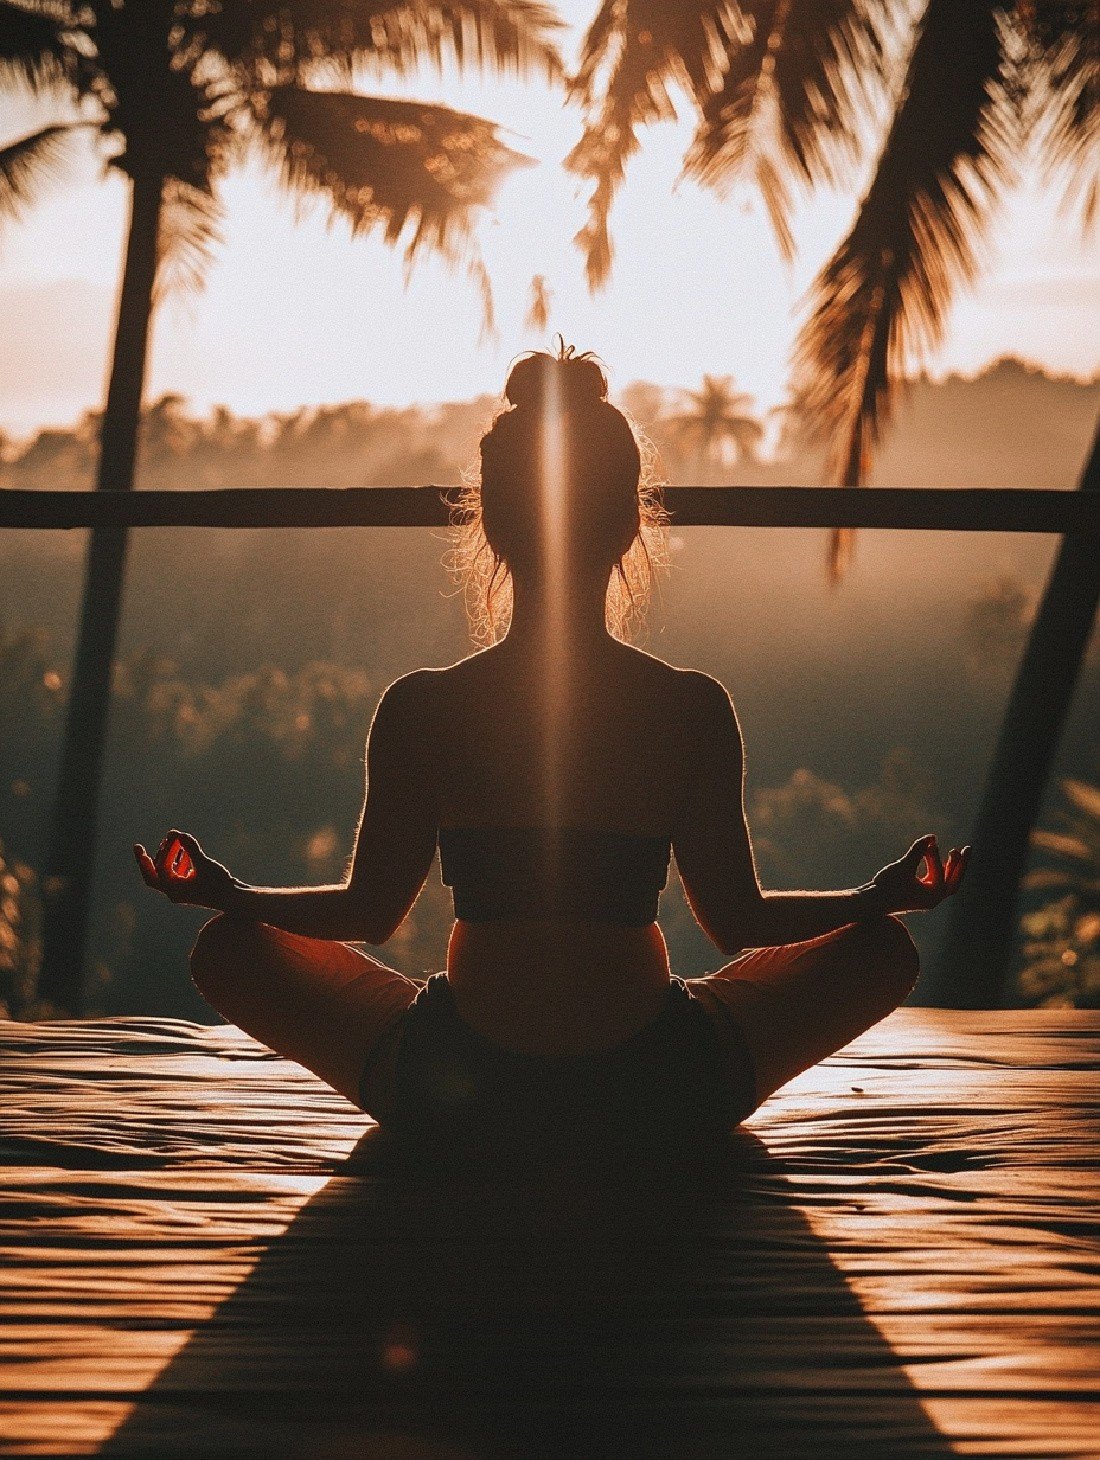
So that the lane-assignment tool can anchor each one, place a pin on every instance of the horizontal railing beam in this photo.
(930, 509)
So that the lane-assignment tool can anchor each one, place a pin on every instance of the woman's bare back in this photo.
(613, 726)
(594, 745)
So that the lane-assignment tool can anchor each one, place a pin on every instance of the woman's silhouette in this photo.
(556, 770)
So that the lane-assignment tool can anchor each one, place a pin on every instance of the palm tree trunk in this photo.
(70, 865)
(975, 965)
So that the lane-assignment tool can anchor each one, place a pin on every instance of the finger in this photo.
(933, 874)
(915, 855)
(950, 868)
(960, 867)
(179, 864)
(190, 843)
(146, 868)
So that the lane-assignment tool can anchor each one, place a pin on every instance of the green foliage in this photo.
(1061, 949)
(20, 939)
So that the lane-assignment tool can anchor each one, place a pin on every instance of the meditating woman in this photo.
(556, 770)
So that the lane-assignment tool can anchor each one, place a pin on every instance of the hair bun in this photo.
(579, 378)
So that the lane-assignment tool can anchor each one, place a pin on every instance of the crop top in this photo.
(538, 872)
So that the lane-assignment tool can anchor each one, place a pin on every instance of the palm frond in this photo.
(841, 551)
(634, 52)
(1062, 81)
(883, 296)
(33, 47)
(538, 309)
(189, 232)
(29, 163)
(791, 100)
(410, 169)
(1083, 797)
(284, 40)
(478, 275)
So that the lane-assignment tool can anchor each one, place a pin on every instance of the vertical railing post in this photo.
(67, 886)
(974, 969)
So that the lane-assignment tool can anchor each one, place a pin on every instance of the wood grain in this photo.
(205, 1251)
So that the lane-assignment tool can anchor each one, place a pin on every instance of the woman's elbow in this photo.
(366, 918)
(732, 947)
(377, 926)
(735, 939)
(375, 935)
(741, 928)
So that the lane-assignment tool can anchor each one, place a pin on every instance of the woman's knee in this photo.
(889, 948)
(217, 956)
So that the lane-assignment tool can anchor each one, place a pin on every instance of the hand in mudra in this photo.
(904, 888)
(184, 873)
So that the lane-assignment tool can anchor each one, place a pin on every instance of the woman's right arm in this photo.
(714, 855)
(394, 845)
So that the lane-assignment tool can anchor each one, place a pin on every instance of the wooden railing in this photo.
(925, 509)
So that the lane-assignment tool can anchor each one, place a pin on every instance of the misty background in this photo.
(251, 661)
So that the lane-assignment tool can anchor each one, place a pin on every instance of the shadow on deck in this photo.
(395, 1317)
(208, 1252)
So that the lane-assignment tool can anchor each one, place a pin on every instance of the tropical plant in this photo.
(715, 418)
(176, 93)
(1061, 949)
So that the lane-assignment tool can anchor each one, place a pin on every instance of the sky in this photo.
(295, 312)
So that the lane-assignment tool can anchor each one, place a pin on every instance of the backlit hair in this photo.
(614, 511)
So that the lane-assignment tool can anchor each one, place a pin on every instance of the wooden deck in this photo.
(200, 1253)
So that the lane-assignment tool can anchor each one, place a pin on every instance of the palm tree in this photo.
(176, 93)
(783, 94)
(715, 418)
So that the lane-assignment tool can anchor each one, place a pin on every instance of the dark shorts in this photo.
(456, 1091)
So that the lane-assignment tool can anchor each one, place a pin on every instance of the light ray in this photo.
(553, 575)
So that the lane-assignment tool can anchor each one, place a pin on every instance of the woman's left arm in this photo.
(394, 846)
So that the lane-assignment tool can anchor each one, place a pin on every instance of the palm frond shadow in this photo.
(405, 1314)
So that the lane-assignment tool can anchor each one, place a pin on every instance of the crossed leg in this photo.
(323, 1004)
(330, 1008)
(795, 1004)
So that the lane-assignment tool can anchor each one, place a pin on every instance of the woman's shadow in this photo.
(669, 1309)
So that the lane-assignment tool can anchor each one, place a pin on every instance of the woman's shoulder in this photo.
(421, 689)
(406, 697)
(690, 688)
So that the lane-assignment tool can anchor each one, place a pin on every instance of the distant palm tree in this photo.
(177, 92)
(785, 94)
(716, 417)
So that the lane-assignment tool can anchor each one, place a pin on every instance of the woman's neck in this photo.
(576, 616)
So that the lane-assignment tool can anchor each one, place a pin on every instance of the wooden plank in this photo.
(962, 509)
(201, 1254)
